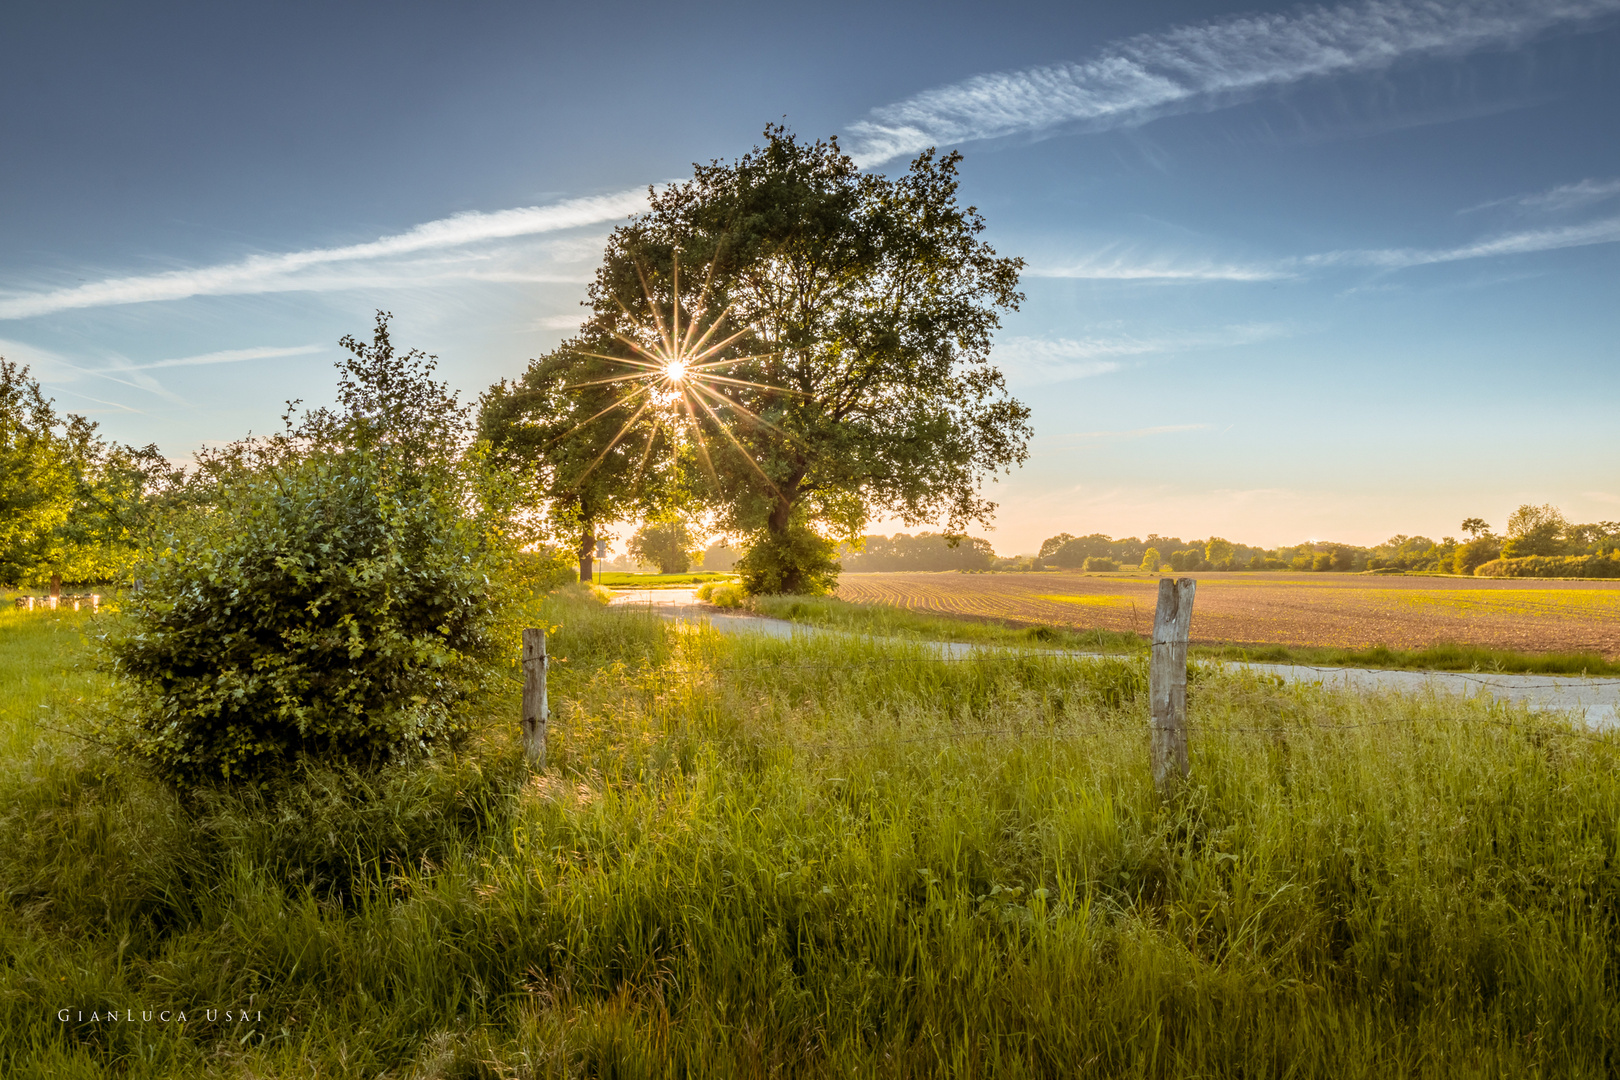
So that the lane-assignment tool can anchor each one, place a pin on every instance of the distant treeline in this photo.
(1538, 541)
(924, 551)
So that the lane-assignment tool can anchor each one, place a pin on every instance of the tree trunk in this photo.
(587, 550)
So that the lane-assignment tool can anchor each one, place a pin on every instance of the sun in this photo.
(675, 373)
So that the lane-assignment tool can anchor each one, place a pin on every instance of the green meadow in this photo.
(826, 856)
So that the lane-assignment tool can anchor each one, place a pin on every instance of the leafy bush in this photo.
(797, 560)
(1096, 563)
(333, 598)
(726, 594)
(1476, 553)
(1189, 559)
(1552, 566)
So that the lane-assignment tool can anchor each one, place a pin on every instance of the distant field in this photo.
(618, 579)
(1340, 610)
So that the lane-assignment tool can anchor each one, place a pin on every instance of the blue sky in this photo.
(1294, 272)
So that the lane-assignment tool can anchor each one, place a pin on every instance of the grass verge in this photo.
(1445, 656)
(884, 620)
(826, 856)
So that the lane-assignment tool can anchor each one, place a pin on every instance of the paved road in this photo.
(1597, 700)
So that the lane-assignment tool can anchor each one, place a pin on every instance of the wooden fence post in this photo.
(534, 697)
(1167, 682)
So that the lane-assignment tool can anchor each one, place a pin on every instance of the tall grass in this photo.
(888, 620)
(832, 856)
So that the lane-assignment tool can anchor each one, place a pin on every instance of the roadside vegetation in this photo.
(818, 857)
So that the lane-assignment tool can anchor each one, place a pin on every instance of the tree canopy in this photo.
(831, 346)
(582, 454)
(70, 502)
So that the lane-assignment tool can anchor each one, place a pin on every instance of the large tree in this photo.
(827, 349)
(583, 450)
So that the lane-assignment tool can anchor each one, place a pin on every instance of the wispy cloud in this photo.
(224, 356)
(1560, 198)
(314, 268)
(1116, 269)
(558, 322)
(1106, 267)
(1202, 66)
(1047, 360)
(1603, 231)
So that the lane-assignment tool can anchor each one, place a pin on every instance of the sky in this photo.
(1294, 272)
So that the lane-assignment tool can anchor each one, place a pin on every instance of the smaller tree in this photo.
(1052, 544)
(70, 503)
(667, 544)
(719, 555)
(1535, 530)
(1219, 553)
(1476, 553)
(1151, 559)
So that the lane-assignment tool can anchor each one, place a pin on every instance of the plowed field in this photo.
(1344, 610)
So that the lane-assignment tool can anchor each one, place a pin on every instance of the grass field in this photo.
(822, 857)
(1335, 611)
(617, 579)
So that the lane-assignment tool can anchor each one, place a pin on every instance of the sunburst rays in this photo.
(673, 376)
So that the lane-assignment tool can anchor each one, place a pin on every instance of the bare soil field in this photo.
(1343, 610)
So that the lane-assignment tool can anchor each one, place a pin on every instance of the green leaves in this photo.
(70, 503)
(327, 593)
(860, 383)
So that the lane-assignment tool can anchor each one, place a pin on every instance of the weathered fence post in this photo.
(534, 697)
(1167, 682)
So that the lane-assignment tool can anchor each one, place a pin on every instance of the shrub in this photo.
(1471, 556)
(333, 598)
(1544, 566)
(1097, 562)
(797, 560)
(1321, 562)
(726, 594)
(1151, 559)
